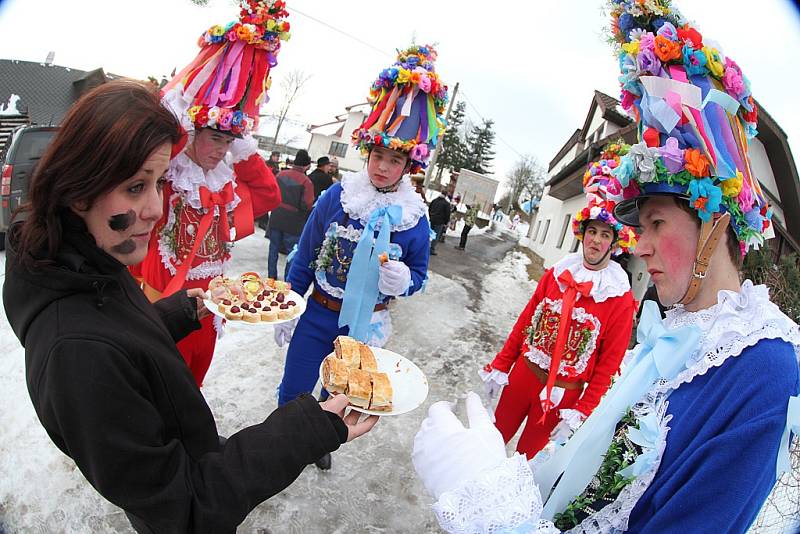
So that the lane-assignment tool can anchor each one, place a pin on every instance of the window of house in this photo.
(564, 228)
(338, 149)
(538, 227)
(546, 228)
(575, 244)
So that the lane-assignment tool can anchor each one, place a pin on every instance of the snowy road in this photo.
(449, 331)
(470, 304)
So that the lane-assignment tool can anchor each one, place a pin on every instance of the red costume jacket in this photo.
(596, 344)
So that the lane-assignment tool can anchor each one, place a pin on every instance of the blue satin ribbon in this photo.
(646, 436)
(361, 289)
(661, 353)
(792, 425)
(291, 254)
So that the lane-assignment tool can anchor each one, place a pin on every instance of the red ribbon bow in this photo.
(571, 292)
(220, 198)
(208, 199)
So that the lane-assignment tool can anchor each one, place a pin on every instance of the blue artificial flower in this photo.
(625, 170)
(705, 197)
(754, 219)
(412, 61)
(694, 61)
(625, 24)
(236, 120)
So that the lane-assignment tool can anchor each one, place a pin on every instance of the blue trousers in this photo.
(311, 342)
(279, 241)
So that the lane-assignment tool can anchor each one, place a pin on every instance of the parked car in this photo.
(26, 147)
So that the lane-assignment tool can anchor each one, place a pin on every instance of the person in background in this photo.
(469, 221)
(334, 170)
(439, 215)
(286, 222)
(321, 176)
(274, 164)
(104, 374)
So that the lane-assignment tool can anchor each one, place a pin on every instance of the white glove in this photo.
(446, 454)
(571, 420)
(394, 278)
(493, 380)
(283, 332)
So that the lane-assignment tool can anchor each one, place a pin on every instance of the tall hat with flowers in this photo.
(599, 204)
(408, 101)
(695, 115)
(224, 86)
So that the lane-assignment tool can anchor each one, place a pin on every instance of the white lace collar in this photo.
(360, 199)
(738, 320)
(606, 283)
(186, 178)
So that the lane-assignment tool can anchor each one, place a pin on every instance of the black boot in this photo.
(324, 463)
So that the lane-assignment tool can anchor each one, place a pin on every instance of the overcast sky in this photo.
(530, 66)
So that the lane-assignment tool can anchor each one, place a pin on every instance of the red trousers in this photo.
(520, 399)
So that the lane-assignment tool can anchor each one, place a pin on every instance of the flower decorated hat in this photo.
(695, 115)
(600, 207)
(224, 86)
(408, 101)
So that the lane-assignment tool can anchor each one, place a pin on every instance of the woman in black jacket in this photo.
(103, 372)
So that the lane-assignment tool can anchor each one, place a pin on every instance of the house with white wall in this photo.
(550, 235)
(333, 139)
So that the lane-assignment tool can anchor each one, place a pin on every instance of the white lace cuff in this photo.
(499, 377)
(574, 418)
(501, 499)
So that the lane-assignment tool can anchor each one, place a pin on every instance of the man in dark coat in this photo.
(287, 220)
(439, 215)
(274, 164)
(321, 177)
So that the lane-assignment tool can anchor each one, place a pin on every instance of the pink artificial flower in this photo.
(425, 83)
(732, 79)
(628, 99)
(745, 197)
(647, 42)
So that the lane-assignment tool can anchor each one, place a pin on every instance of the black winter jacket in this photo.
(113, 392)
(439, 211)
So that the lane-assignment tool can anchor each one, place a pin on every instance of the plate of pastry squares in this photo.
(251, 299)
(376, 381)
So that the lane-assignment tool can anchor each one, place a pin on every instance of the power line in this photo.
(382, 52)
(334, 28)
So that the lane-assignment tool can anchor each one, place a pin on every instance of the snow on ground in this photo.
(372, 486)
(449, 330)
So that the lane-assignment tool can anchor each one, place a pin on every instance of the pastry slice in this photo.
(381, 393)
(334, 375)
(359, 388)
(367, 358)
(269, 314)
(251, 315)
(347, 349)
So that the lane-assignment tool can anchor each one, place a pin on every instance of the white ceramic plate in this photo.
(409, 385)
(301, 307)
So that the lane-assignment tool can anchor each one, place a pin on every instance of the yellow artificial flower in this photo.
(217, 31)
(403, 75)
(713, 63)
(270, 24)
(631, 48)
(732, 186)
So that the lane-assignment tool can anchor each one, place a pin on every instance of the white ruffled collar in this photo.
(606, 283)
(737, 321)
(360, 199)
(186, 177)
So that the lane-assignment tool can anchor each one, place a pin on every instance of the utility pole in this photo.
(429, 171)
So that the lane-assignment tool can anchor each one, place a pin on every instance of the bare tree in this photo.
(525, 181)
(292, 86)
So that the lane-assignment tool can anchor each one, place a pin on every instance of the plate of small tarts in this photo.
(253, 300)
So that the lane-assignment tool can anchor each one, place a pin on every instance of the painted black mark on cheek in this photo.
(122, 221)
(126, 247)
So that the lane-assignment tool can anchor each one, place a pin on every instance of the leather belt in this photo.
(541, 374)
(336, 305)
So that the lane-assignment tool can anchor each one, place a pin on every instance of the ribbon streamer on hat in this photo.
(661, 353)
(211, 201)
(361, 289)
(571, 292)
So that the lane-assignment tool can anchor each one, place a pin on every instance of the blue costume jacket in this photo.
(323, 258)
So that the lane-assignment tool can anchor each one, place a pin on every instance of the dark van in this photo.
(26, 147)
